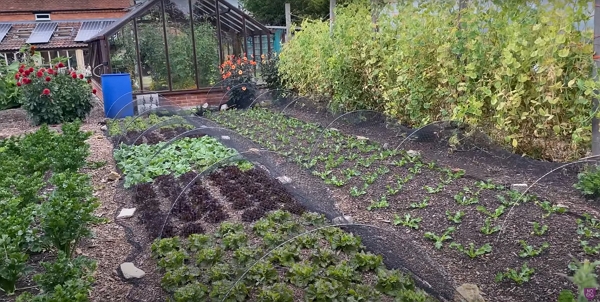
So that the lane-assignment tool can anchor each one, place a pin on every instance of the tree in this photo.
(272, 12)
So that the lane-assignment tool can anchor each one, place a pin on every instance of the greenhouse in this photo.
(176, 46)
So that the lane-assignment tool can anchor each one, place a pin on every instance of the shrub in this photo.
(520, 72)
(238, 77)
(270, 74)
(589, 181)
(54, 95)
(10, 93)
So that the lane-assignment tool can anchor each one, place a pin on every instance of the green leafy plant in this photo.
(64, 269)
(497, 213)
(13, 264)
(355, 191)
(471, 250)
(323, 290)
(589, 181)
(455, 217)
(68, 213)
(277, 292)
(191, 292)
(551, 209)
(488, 228)
(519, 276)
(392, 282)
(466, 197)
(530, 251)
(379, 204)
(263, 273)
(301, 274)
(140, 165)
(408, 221)
(538, 229)
(343, 272)
(439, 240)
(585, 277)
(421, 205)
(367, 261)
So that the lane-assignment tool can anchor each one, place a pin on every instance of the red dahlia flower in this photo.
(48, 79)
(46, 91)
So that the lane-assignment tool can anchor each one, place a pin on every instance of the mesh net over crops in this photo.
(398, 250)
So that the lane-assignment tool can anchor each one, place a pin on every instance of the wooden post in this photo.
(288, 22)
(595, 120)
(331, 15)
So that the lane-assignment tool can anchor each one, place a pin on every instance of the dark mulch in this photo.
(481, 162)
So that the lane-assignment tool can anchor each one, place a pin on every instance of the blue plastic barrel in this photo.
(117, 94)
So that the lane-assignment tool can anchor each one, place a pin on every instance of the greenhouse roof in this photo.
(231, 18)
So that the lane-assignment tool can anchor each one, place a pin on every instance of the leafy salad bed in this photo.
(46, 207)
(244, 212)
(244, 263)
(143, 163)
(459, 218)
(130, 129)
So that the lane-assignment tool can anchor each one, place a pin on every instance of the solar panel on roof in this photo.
(90, 28)
(4, 28)
(42, 33)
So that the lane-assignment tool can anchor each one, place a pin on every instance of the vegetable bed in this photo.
(46, 208)
(231, 217)
(458, 219)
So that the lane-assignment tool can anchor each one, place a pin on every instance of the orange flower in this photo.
(228, 74)
(239, 61)
(240, 72)
(252, 63)
(243, 88)
(232, 66)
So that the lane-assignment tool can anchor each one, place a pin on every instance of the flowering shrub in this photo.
(54, 95)
(238, 77)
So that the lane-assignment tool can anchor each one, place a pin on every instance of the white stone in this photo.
(225, 137)
(205, 105)
(413, 153)
(343, 219)
(284, 179)
(224, 107)
(362, 138)
(112, 176)
(103, 128)
(126, 213)
(130, 271)
(470, 293)
(519, 187)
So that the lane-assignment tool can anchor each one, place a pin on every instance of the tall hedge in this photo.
(519, 70)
